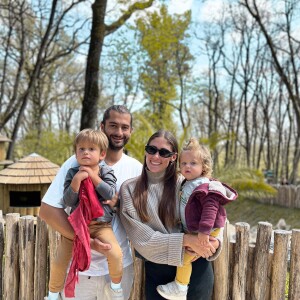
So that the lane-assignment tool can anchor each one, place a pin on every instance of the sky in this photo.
(202, 10)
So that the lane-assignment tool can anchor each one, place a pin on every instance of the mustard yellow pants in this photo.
(183, 273)
(102, 231)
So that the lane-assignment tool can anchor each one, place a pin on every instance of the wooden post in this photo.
(11, 278)
(294, 288)
(54, 239)
(297, 200)
(26, 257)
(40, 260)
(2, 238)
(138, 290)
(240, 261)
(250, 262)
(260, 264)
(221, 270)
(279, 264)
(231, 266)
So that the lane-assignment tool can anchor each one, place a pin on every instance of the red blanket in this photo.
(88, 209)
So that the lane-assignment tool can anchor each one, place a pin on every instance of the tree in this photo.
(283, 45)
(162, 39)
(98, 32)
(27, 29)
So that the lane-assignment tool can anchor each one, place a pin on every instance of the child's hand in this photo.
(76, 181)
(92, 172)
(112, 202)
(81, 175)
(203, 239)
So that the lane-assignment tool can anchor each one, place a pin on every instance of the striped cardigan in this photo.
(152, 239)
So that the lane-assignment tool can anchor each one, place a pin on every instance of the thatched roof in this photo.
(32, 169)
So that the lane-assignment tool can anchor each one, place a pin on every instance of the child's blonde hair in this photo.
(92, 136)
(203, 154)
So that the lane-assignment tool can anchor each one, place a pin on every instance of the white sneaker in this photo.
(113, 294)
(171, 291)
(49, 298)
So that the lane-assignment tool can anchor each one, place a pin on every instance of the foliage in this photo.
(55, 146)
(143, 129)
(249, 183)
(161, 38)
(215, 138)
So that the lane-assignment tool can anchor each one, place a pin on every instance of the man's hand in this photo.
(100, 247)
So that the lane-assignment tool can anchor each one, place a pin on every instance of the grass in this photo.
(252, 212)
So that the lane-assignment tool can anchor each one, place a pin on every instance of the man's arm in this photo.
(57, 218)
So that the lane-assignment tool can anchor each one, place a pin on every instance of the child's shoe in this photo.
(113, 294)
(171, 291)
(52, 296)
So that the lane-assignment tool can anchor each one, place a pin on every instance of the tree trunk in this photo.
(91, 90)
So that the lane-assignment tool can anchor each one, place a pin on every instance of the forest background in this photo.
(226, 72)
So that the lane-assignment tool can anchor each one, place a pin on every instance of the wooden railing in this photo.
(242, 271)
(287, 196)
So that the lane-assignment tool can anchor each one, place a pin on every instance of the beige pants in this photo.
(92, 287)
(101, 231)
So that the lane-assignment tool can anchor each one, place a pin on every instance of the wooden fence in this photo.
(287, 196)
(241, 272)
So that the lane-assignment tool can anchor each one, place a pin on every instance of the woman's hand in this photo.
(193, 245)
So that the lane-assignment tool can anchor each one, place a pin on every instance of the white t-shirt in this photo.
(126, 168)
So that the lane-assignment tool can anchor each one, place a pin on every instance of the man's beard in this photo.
(117, 147)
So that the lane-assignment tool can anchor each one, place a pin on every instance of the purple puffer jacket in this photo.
(204, 210)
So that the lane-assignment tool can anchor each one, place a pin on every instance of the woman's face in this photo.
(155, 162)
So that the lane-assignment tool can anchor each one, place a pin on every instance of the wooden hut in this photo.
(24, 183)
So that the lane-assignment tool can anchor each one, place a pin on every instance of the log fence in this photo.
(242, 271)
(286, 196)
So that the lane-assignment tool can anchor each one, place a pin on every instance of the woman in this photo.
(150, 215)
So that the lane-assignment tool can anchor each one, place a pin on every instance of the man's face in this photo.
(117, 129)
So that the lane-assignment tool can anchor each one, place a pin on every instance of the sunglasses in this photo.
(162, 152)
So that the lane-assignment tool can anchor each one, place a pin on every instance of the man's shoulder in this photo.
(71, 162)
(130, 159)
(131, 163)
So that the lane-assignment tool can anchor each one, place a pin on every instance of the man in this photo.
(117, 125)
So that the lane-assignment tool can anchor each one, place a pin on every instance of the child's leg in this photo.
(183, 273)
(59, 265)
(103, 232)
(215, 232)
(178, 288)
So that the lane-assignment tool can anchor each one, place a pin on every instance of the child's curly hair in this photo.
(202, 153)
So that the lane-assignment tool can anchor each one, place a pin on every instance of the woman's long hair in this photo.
(167, 205)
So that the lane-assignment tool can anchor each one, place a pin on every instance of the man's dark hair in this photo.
(121, 109)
